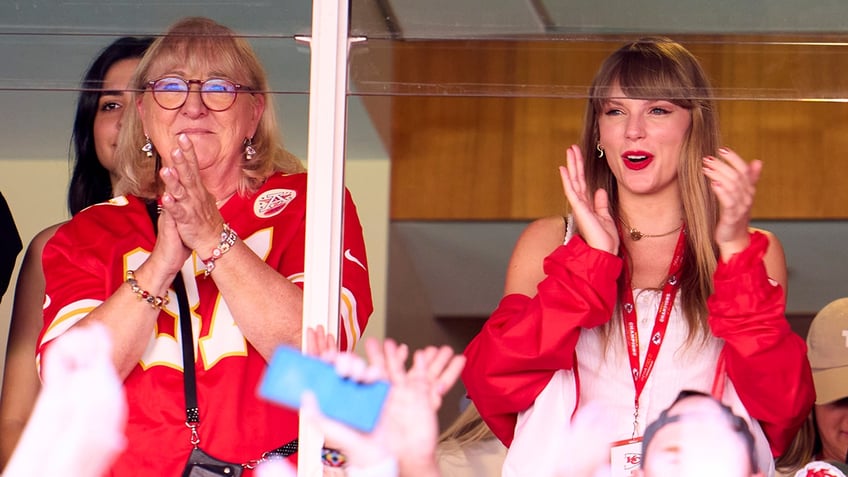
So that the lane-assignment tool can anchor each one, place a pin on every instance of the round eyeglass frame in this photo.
(203, 94)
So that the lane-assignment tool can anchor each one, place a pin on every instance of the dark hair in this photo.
(90, 182)
(736, 423)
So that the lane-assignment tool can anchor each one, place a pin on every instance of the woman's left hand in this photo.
(734, 183)
(591, 213)
(186, 199)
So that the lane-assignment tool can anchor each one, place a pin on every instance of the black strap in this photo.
(189, 378)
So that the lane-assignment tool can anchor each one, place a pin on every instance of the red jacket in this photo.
(527, 339)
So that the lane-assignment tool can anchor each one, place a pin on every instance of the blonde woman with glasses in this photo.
(208, 198)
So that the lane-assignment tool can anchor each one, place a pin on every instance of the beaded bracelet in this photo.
(154, 301)
(332, 458)
(228, 239)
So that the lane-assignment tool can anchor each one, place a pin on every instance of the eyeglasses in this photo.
(171, 92)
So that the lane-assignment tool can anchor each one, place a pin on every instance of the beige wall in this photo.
(35, 190)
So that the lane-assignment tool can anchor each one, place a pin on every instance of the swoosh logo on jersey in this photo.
(353, 259)
(272, 202)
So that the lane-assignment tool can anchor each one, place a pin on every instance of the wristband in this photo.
(332, 458)
(228, 239)
(154, 301)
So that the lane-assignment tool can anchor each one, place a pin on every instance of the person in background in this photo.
(206, 193)
(11, 245)
(100, 106)
(660, 285)
(824, 435)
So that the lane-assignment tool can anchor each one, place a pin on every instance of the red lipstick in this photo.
(637, 160)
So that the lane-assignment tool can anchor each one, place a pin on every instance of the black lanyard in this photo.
(189, 377)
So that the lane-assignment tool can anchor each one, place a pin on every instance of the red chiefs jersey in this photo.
(86, 262)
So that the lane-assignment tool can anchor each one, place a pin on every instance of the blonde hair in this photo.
(197, 42)
(466, 429)
(652, 68)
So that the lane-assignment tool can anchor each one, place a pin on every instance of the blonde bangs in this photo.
(201, 44)
(233, 57)
(660, 68)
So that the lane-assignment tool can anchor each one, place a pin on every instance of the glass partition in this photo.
(476, 102)
(46, 46)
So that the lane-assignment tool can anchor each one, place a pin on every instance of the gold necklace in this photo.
(219, 203)
(636, 235)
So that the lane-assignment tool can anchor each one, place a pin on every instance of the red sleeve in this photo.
(527, 339)
(355, 302)
(766, 361)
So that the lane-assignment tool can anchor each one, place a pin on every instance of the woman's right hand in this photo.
(592, 217)
(169, 252)
(187, 200)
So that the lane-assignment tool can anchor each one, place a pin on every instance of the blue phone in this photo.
(290, 373)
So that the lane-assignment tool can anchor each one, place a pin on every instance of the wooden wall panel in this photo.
(483, 139)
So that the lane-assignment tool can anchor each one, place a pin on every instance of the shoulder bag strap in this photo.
(189, 377)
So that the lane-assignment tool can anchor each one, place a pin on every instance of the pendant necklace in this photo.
(636, 235)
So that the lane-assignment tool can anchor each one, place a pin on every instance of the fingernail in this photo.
(723, 150)
(183, 140)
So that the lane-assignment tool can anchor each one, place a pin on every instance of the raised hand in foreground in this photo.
(404, 439)
(80, 413)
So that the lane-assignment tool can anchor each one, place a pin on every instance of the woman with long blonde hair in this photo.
(660, 284)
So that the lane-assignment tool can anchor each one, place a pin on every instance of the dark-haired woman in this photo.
(98, 119)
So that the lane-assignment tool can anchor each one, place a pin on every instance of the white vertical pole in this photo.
(325, 194)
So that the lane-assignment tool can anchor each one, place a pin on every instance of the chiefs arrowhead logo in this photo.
(272, 202)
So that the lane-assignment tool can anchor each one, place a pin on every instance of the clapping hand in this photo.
(734, 183)
(187, 201)
(591, 214)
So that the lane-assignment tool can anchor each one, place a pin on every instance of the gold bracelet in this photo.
(154, 301)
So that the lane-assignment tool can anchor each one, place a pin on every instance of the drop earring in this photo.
(249, 151)
(600, 151)
(147, 148)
